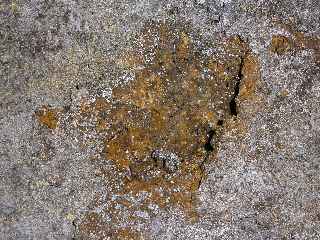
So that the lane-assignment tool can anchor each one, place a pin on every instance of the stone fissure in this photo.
(233, 102)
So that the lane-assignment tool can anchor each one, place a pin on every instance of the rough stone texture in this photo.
(67, 66)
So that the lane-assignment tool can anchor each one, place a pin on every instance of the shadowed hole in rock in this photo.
(208, 145)
(233, 104)
(220, 122)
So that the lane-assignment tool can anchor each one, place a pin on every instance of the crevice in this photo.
(208, 145)
(233, 103)
(74, 237)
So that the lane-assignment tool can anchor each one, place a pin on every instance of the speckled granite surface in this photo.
(159, 119)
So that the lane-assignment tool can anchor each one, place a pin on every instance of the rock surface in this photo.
(159, 119)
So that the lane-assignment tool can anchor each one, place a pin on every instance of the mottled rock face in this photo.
(111, 119)
(162, 127)
(178, 96)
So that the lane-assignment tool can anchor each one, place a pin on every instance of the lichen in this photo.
(170, 106)
(297, 41)
(48, 117)
(251, 77)
(280, 44)
(162, 127)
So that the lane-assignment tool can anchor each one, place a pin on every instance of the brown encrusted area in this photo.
(296, 41)
(171, 107)
(280, 44)
(251, 77)
(163, 126)
(48, 117)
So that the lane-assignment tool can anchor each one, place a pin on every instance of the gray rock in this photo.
(263, 183)
(167, 160)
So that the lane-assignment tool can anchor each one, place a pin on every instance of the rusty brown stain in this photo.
(127, 234)
(280, 44)
(179, 117)
(47, 116)
(251, 77)
(177, 98)
(296, 42)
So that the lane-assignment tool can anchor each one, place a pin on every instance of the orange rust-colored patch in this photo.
(171, 106)
(298, 40)
(251, 77)
(162, 190)
(280, 44)
(92, 225)
(48, 117)
(127, 234)
(163, 126)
